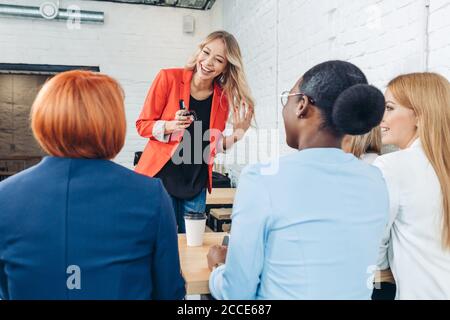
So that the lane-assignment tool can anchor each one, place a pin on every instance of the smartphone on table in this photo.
(226, 240)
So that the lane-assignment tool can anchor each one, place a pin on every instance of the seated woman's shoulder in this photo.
(140, 186)
(140, 179)
(271, 169)
(251, 170)
(19, 178)
(400, 164)
(268, 168)
(395, 158)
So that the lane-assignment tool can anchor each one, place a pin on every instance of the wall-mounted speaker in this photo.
(188, 24)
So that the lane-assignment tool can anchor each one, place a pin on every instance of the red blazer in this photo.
(162, 102)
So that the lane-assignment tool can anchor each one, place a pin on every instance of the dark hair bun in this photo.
(358, 109)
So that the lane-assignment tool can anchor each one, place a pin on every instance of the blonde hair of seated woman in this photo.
(366, 147)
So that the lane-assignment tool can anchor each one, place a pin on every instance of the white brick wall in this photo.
(281, 39)
(439, 31)
(132, 45)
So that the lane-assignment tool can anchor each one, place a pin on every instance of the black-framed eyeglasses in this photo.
(286, 94)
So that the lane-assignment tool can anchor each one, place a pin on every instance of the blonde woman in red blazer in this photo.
(184, 115)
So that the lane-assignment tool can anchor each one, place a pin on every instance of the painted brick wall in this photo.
(439, 31)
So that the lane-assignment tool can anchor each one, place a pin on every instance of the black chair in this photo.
(220, 180)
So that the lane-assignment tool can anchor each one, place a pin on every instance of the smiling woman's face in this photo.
(211, 62)
(399, 125)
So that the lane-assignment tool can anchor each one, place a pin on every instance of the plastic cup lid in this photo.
(195, 215)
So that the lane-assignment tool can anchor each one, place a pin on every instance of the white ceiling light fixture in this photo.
(49, 10)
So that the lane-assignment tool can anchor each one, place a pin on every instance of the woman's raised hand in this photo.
(242, 118)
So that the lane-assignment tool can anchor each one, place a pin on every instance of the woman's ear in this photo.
(302, 108)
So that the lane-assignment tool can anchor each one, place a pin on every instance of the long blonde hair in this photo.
(233, 80)
(366, 143)
(428, 95)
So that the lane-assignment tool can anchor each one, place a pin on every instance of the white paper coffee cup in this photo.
(195, 228)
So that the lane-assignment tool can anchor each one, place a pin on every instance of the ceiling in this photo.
(189, 4)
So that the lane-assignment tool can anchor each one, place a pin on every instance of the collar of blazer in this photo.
(185, 94)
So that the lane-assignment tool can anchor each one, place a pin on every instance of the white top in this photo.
(412, 245)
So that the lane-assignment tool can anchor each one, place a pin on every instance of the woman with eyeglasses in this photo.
(311, 230)
(184, 115)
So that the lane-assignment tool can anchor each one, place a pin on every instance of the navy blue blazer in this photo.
(87, 229)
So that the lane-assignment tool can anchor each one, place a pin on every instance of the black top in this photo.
(186, 174)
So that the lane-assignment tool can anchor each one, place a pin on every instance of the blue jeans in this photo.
(181, 207)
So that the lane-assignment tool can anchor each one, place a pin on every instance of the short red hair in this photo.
(80, 114)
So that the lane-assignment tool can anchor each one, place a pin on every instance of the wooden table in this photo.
(194, 265)
(221, 196)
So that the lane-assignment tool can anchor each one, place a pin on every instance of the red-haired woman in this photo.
(78, 226)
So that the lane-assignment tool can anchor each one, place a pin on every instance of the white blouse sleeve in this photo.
(158, 131)
(220, 148)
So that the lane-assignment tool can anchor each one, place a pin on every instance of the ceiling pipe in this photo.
(14, 11)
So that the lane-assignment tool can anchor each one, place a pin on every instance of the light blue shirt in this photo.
(310, 231)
